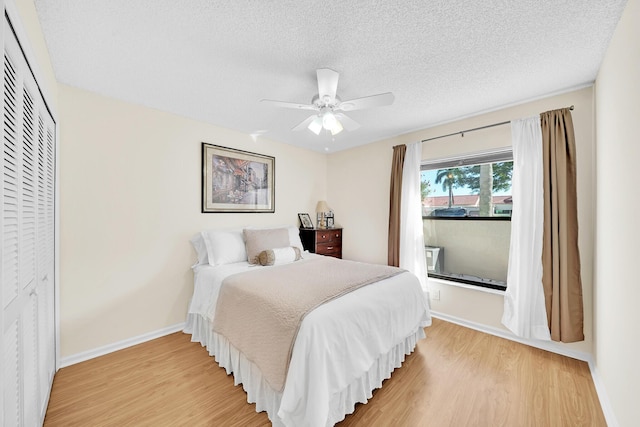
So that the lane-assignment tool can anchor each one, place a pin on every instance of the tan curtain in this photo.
(560, 256)
(393, 255)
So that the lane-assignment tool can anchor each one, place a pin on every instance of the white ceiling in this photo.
(214, 60)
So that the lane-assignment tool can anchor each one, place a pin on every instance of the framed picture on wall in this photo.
(237, 181)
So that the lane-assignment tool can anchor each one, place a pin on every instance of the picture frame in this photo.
(330, 222)
(305, 220)
(237, 181)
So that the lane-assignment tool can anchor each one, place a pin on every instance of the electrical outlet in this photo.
(435, 294)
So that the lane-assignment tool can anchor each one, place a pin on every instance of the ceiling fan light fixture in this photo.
(337, 128)
(328, 107)
(329, 120)
(316, 125)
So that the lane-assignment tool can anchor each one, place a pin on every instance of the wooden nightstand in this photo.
(322, 241)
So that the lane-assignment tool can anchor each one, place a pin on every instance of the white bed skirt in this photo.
(266, 399)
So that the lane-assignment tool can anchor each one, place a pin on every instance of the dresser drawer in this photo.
(328, 236)
(329, 249)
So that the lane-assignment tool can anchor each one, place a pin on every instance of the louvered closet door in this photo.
(45, 264)
(28, 345)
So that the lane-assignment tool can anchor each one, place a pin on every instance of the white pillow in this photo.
(201, 249)
(294, 237)
(224, 247)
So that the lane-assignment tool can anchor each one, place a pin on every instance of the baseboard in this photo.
(129, 342)
(548, 346)
(603, 397)
(551, 346)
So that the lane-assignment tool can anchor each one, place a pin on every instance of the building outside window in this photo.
(466, 208)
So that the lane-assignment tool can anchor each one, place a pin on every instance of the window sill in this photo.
(464, 285)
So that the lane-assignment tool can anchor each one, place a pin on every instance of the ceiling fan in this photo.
(329, 107)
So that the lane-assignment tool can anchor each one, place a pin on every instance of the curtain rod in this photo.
(462, 132)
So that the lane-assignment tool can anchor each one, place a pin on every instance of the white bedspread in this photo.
(338, 346)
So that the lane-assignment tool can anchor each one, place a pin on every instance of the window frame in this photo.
(504, 154)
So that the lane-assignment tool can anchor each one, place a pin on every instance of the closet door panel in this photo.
(12, 295)
(28, 190)
(10, 284)
(27, 243)
(30, 362)
(46, 345)
(10, 380)
(45, 287)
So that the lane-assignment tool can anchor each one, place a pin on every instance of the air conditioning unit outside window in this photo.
(435, 258)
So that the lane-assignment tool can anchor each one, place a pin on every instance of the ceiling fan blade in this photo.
(305, 123)
(347, 122)
(284, 104)
(327, 83)
(379, 100)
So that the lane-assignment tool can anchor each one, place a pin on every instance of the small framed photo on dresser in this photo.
(330, 219)
(305, 220)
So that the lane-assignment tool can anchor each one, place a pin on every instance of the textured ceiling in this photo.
(214, 60)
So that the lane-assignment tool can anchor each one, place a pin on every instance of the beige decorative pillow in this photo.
(279, 256)
(257, 241)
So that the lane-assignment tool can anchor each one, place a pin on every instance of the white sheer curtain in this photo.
(524, 307)
(411, 232)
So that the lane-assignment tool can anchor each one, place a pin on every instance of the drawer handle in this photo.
(329, 248)
(324, 236)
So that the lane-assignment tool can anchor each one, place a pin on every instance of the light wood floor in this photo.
(455, 377)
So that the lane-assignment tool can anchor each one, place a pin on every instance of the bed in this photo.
(343, 349)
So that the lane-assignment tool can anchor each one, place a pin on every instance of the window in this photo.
(466, 212)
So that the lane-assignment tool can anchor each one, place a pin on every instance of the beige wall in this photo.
(358, 190)
(617, 286)
(130, 202)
